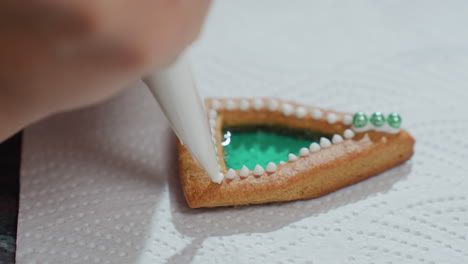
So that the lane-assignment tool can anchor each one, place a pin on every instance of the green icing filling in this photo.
(252, 145)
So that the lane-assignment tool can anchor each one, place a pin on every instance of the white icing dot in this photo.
(231, 174)
(325, 142)
(244, 172)
(282, 162)
(244, 105)
(272, 105)
(337, 139)
(316, 114)
(287, 109)
(257, 104)
(292, 157)
(215, 104)
(332, 118)
(314, 147)
(218, 178)
(301, 112)
(230, 105)
(271, 167)
(348, 134)
(304, 152)
(213, 113)
(212, 122)
(347, 120)
(258, 170)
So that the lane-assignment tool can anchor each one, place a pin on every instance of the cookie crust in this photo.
(353, 160)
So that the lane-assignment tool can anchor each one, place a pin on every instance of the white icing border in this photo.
(287, 109)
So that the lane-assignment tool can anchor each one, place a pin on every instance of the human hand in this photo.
(60, 55)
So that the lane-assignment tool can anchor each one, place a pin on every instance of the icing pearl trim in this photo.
(244, 172)
(287, 109)
(301, 112)
(337, 139)
(219, 178)
(292, 157)
(314, 147)
(272, 105)
(257, 104)
(230, 105)
(271, 167)
(258, 170)
(362, 123)
(332, 118)
(244, 105)
(231, 174)
(316, 114)
(304, 152)
(347, 120)
(325, 143)
(215, 104)
(348, 134)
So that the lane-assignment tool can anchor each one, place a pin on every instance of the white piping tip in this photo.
(213, 114)
(212, 123)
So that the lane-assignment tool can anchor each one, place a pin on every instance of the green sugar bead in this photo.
(360, 120)
(377, 119)
(394, 120)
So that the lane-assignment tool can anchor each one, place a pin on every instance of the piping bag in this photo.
(174, 89)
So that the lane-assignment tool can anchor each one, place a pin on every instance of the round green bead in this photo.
(360, 120)
(377, 119)
(394, 120)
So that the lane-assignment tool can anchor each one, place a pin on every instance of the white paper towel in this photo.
(100, 185)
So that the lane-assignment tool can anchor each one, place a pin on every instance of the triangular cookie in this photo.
(355, 149)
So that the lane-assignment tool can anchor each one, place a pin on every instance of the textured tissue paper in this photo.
(100, 185)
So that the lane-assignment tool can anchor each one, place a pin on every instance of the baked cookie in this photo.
(271, 150)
